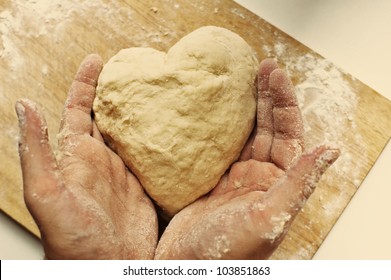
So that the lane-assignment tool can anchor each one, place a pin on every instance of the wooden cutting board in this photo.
(43, 42)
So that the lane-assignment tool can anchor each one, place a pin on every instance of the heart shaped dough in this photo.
(179, 119)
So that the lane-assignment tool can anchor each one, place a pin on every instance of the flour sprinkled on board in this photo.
(55, 28)
(37, 20)
(328, 105)
(238, 13)
(29, 19)
(8, 49)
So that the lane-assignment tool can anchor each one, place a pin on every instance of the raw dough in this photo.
(178, 120)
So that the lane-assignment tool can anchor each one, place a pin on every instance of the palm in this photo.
(103, 207)
(248, 213)
(219, 224)
(87, 204)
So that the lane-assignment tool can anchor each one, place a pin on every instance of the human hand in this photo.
(86, 203)
(248, 213)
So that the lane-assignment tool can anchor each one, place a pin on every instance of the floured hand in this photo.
(248, 213)
(86, 203)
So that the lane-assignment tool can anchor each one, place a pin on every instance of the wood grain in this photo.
(40, 57)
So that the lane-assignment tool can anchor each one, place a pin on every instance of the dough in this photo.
(179, 119)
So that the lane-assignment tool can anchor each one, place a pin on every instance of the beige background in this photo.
(356, 36)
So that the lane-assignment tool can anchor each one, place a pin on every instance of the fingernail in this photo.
(322, 163)
(21, 113)
(326, 159)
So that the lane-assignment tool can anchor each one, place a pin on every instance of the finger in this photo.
(96, 133)
(247, 150)
(288, 140)
(264, 130)
(41, 177)
(76, 118)
(290, 194)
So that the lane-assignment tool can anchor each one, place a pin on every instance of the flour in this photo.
(329, 206)
(279, 48)
(35, 19)
(278, 226)
(238, 13)
(304, 253)
(220, 247)
(328, 104)
(26, 19)
(45, 70)
(8, 49)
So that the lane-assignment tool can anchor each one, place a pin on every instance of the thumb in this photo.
(41, 177)
(290, 194)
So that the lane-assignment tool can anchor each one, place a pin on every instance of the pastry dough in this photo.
(179, 119)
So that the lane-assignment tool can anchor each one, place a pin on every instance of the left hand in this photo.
(248, 213)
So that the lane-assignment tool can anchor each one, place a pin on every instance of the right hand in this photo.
(87, 204)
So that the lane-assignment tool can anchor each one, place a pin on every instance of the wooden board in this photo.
(43, 42)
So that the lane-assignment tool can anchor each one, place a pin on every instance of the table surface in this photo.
(354, 35)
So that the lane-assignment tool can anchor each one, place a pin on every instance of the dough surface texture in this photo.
(179, 119)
